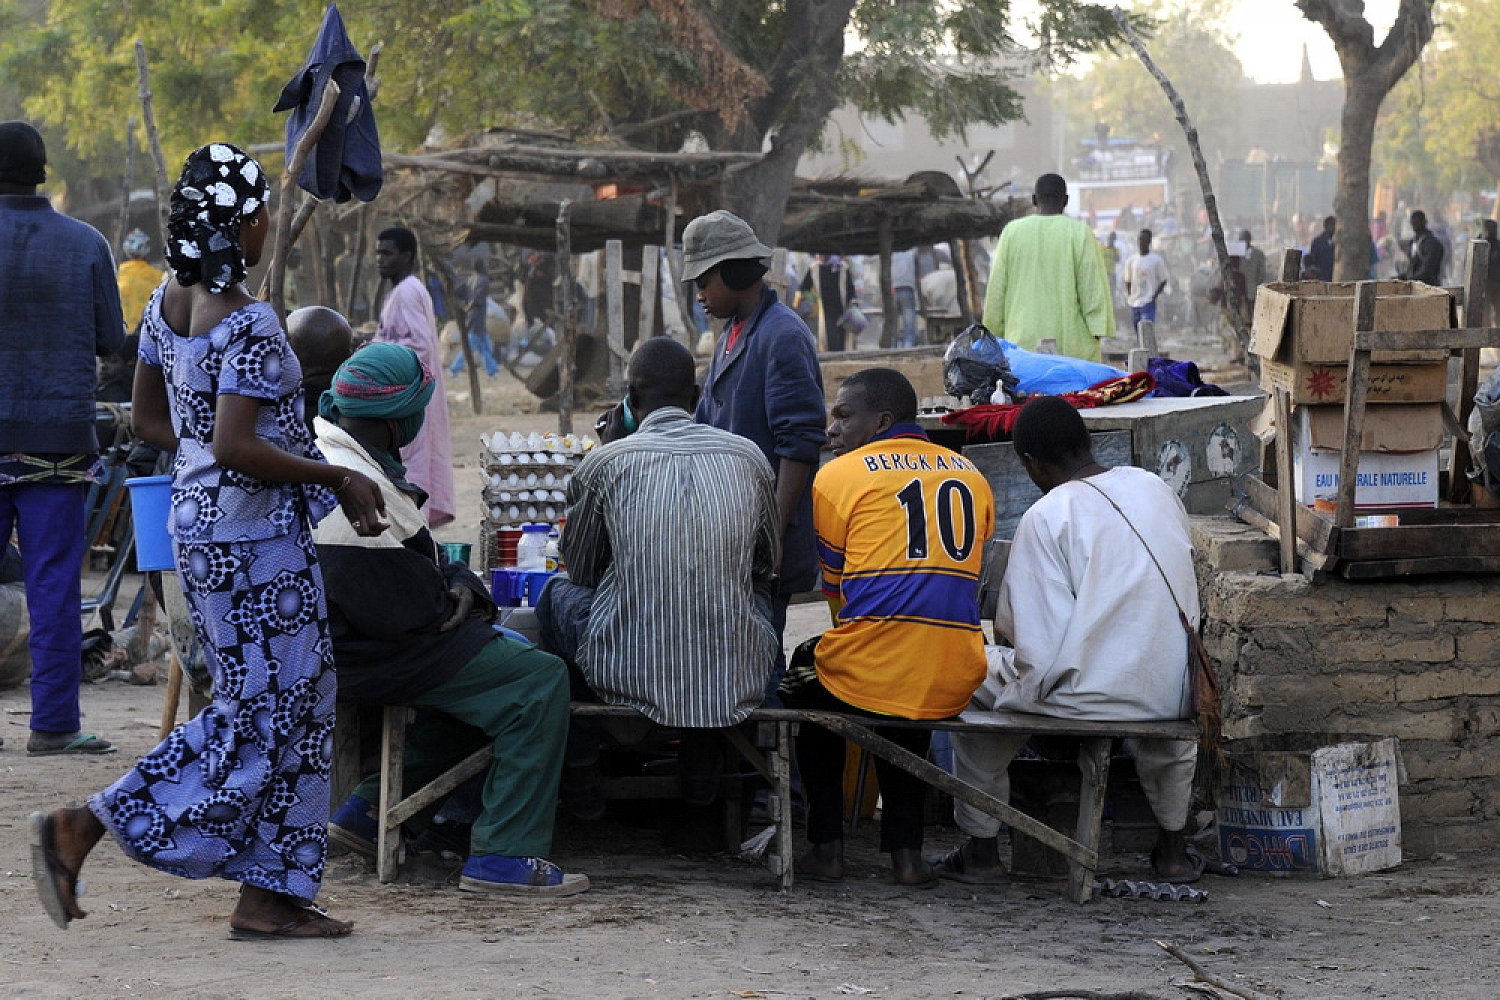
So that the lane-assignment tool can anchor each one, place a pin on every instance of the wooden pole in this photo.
(680, 289)
(126, 183)
(1286, 492)
(361, 243)
(566, 333)
(274, 289)
(1468, 381)
(1358, 382)
(959, 252)
(614, 315)
(889, 313)
(1237, 311)
(153, 138)
(448, 282)
(650, 292)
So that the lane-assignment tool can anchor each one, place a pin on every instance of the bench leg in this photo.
(392, 753)
(345, 752)
(1093, 761)
(781, 801)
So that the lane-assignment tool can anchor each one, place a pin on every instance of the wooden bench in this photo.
(773, 762)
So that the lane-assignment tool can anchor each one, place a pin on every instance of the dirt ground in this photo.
(656, 924)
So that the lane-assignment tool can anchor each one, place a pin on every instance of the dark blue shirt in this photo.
(769, 388)
(59, 310)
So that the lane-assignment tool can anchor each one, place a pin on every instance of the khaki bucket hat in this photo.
(711, 239)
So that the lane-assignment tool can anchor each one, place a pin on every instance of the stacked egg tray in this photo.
(525, 481)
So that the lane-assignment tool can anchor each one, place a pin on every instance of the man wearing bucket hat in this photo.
(59, 310)
(763, 383)
(411, 628)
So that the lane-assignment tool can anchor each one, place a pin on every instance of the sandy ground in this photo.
(662, 925)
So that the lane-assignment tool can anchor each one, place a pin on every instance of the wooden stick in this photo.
(1358, 388)
(173, 696)
(274, 289)
(153, 138)
(565, 321)
(614, 315)
(1286, 491)
(1203, 975)
(1210, 204)
(126, 183)
(1468, 379)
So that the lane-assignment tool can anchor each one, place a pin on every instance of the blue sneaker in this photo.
(354, 826)
(504, 875)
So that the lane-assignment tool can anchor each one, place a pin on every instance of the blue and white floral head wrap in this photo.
(220, 187)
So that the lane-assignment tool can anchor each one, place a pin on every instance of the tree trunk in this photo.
(1351, 199)
(803, 95)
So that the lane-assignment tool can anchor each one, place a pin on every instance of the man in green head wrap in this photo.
(410, 628)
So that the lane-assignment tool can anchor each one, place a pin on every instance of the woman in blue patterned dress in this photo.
(241, 791)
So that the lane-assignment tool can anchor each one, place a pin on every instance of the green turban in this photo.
(381, 382)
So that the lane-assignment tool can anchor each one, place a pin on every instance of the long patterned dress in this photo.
(241, 791)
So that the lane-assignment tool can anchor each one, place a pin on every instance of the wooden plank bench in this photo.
(773, 762)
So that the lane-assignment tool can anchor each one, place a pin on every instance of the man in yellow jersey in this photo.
(901, 525)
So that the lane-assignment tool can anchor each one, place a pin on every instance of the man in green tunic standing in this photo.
(1048, 279)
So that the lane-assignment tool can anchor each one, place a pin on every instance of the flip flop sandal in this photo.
(287, 931)
(46, 867)
(954, 868)
(83, 743)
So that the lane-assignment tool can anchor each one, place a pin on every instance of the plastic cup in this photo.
(151, 510)
(457, 551)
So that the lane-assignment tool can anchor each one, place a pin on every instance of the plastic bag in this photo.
(1054, 374)
(973, 363)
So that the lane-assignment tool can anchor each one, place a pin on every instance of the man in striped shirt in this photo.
(671, 545)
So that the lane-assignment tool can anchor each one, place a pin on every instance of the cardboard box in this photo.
(1312, 322)
(1398, 461)
(1311, 804)
(1396, 383)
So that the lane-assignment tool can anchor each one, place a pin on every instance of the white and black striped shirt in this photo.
(675, 527)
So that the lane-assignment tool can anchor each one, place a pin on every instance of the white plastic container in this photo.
(531, 550)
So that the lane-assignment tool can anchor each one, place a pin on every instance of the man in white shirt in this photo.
(1145, 279)
(1092, 617)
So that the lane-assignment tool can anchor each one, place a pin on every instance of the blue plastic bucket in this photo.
(151, 509)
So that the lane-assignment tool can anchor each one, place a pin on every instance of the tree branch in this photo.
(1404, 43)
(1344, 20)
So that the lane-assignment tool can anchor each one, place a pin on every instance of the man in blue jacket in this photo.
(59, 309)
(763, 383)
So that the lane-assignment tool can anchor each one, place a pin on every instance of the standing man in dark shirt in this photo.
(1426, 255)
(59, 310)
(1321, 250)
(763, 383)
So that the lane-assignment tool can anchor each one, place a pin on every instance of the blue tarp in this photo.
(1054, 374)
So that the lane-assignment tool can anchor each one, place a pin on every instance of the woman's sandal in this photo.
(288, 931)
(47, 868)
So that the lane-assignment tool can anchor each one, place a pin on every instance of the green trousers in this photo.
(517, 696)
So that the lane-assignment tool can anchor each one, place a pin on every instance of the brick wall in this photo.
(1416, 660)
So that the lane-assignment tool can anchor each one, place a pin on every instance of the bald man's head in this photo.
(322, 340)
(661, 373)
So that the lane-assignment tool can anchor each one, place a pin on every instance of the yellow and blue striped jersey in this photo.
(901, 526)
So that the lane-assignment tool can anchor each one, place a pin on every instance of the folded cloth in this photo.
(1180, 378)
(993, 422)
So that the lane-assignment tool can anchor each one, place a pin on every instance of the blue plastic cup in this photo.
(508, 587)
(151, 509)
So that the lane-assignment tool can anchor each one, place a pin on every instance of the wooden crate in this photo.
(1451, 539)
